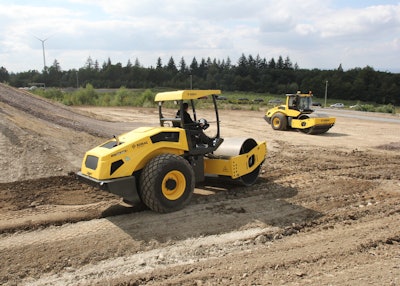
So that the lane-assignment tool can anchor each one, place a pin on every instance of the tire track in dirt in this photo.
(286, 260)
(338, 241)
(10, 144)
(250, 207)
(51, 215)
(242, 210)
(147, 261)
(4, 143)
(92, 241)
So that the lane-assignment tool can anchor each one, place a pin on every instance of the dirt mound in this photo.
(393, 146)
(41, 138)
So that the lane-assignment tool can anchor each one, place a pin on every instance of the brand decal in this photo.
(141, 144)
(118, 153)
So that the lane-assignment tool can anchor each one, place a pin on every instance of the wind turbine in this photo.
(44, 57)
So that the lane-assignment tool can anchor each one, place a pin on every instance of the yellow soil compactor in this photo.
(297, 114)
(159, 166)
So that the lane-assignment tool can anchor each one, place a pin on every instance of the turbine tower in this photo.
(44, 56)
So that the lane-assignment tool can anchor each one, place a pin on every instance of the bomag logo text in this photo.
(141, 144)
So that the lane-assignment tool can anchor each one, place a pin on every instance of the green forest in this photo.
(248, 74)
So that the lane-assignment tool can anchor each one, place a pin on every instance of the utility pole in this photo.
(77, 80)
(326, 91)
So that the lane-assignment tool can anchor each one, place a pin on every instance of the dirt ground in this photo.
(325, 210)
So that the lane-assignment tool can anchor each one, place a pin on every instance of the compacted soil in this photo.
(324, 211)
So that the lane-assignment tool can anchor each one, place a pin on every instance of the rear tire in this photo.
(279, 121)
(167, 183)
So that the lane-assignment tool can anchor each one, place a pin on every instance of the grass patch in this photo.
(145, 98)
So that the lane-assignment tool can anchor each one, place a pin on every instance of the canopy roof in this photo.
(299, 94)
(185, 94)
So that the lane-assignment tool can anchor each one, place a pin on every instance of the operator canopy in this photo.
(185, 94)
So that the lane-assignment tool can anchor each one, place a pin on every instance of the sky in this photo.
(312, 33)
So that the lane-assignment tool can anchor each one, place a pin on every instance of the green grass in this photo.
(145, 98)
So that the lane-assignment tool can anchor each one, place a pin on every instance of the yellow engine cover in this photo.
(134, 149)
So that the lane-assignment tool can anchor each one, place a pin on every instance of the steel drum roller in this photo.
(237, 146)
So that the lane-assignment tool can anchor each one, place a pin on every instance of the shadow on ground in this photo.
(222, 209)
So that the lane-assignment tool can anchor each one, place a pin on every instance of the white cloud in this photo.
(313, 33)
(361, 22)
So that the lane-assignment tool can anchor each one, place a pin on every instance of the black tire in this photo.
(279, 121)
(167, 183)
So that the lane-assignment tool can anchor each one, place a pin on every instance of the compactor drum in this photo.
(233, 147)
(159, 166)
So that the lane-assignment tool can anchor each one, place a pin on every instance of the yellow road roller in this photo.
(160, 166)
(298, 114)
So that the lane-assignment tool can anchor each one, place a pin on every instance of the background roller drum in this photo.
(167, 183)
(315, 129)
(305, 130)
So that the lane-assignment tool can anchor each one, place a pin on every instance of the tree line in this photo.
(248, 74)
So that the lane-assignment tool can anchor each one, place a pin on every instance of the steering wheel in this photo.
(203, 124)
